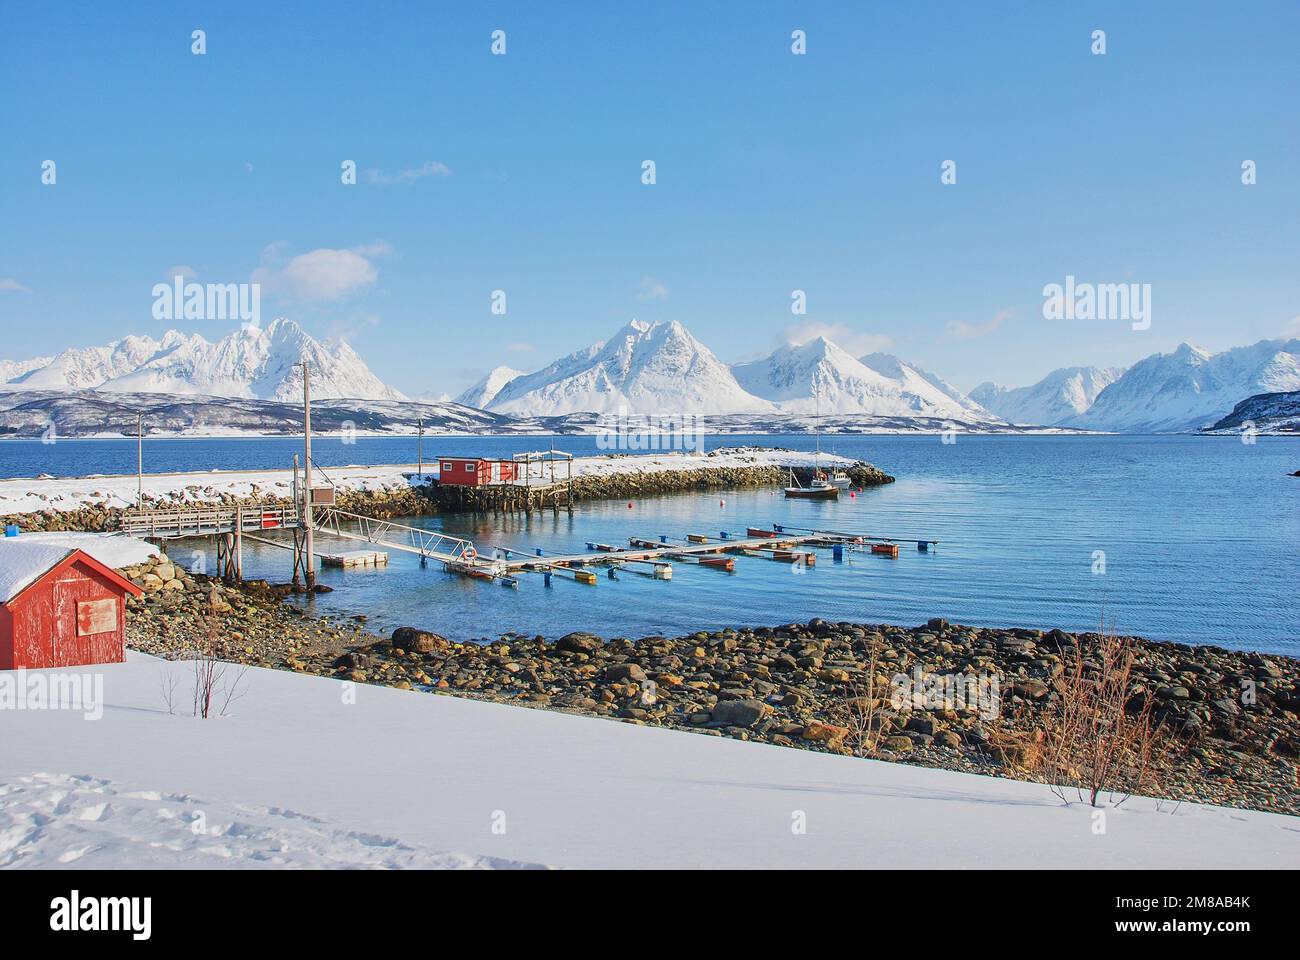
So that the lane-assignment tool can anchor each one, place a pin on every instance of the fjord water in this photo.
(1200, 537)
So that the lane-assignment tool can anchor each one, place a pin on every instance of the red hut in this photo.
(474, 471)
(59, 607)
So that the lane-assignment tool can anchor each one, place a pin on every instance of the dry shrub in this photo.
(1023, 749)
(214, 691)
(1100, 737)
(861, 713)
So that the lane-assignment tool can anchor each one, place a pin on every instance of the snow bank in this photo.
(62, 494)
(301, 773)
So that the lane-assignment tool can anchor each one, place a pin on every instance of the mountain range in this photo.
(251, 363)
(661, 368)
(1060, 395)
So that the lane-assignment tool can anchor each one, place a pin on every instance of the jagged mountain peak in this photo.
(649, 368)
(248, 362)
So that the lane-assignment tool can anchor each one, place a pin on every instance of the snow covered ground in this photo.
(298, 775)
(25, 495)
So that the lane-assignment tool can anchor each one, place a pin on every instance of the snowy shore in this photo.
(299, 775)
(65, 494)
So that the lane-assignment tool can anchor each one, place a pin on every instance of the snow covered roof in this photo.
(22, 563)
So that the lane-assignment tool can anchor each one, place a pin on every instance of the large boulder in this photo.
(578, 642)
(411, 640)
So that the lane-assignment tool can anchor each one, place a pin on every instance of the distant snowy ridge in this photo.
(1265, 412)
(1191, 388)
(1060, 395)
(820, 377)
(248, 363)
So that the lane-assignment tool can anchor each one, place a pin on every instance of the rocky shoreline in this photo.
(799, 685)
(426, 499)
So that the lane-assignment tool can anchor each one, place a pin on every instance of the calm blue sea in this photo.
(1200, 537)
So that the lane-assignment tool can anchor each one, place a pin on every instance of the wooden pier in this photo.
(644, 556)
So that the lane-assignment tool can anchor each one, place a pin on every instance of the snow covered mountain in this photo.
(1061, 394)
(485, 391)
(12, 369)
(819, 376)
(645, 368)
(931, 388)
(1191, 388)
(249, 363)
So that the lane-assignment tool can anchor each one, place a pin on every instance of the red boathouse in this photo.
(59, 607)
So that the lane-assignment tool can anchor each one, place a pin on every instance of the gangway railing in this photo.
(399, 536)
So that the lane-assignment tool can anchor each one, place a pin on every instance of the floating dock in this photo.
(355, 558)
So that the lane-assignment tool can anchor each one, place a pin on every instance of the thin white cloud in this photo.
(520, 347)
(969, 331)
(184, 271)
(430, 168)
(1292, 327)
(858, 343)
(320, 275)
(651, 289)
(10, 285)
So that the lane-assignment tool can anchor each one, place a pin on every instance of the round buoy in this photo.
(629, 504)
(722, 503)
(852, 495)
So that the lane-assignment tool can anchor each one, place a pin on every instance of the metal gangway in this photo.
(429, 544)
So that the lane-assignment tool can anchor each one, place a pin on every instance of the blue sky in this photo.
(775, 172)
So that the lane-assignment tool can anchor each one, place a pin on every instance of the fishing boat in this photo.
(819, 489)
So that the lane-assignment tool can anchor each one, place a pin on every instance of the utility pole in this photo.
(139, 461)
(421, 447)
(309, 561)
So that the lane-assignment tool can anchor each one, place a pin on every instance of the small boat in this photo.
(840, 480)
(818, 489)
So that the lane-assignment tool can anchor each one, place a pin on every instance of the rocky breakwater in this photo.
(622, 485)
(810, 686)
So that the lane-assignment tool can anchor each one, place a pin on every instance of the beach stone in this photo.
(621, 672)
(827, 733)
(897, 744)
(739, 713)
(411, 640)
